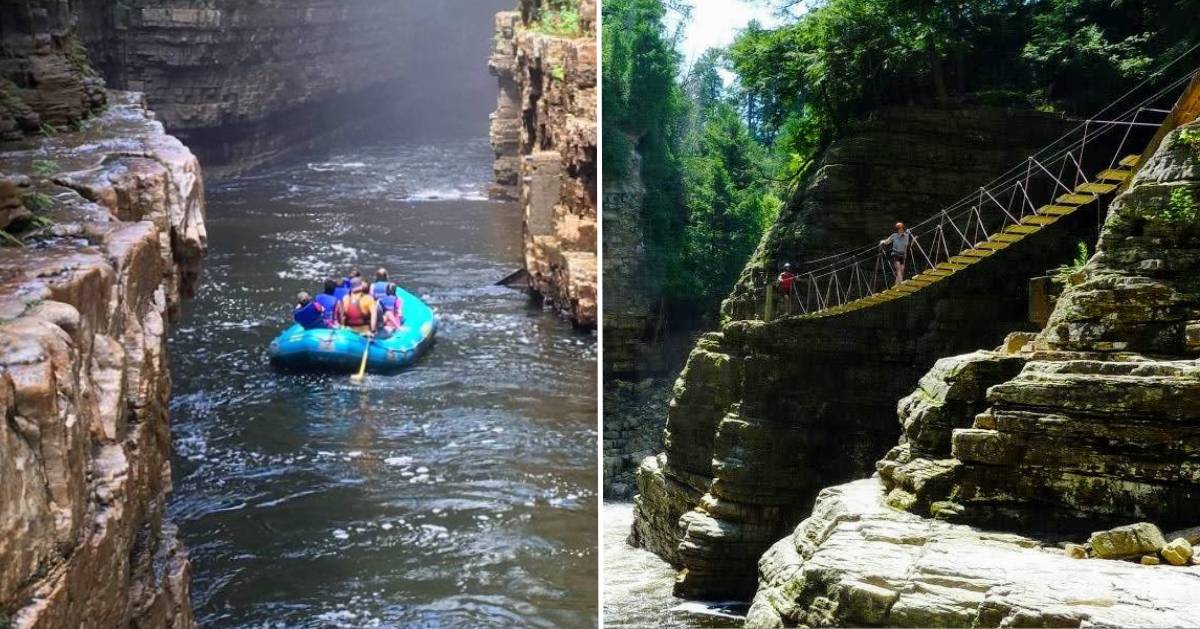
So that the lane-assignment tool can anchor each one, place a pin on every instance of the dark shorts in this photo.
(897, 258)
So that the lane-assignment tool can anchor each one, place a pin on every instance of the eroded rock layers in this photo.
(45, 79)
(766, 414)
(113, 241)
(243, 82)
(1091, 422)
(544, 135)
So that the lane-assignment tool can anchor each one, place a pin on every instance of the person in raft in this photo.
(391, 308)
(309, 313)
(899, 242)
(342, 289)
(380, 285)
(358, 311)
(328, 302)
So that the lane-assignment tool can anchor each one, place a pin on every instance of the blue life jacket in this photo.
(328, 302)
(379, 290)
(339, 292)
(310, 316)
(388, 302)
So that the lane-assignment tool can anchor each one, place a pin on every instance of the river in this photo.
(458, 493)
(637, 585)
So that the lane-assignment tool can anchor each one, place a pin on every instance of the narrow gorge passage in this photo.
(458, 493)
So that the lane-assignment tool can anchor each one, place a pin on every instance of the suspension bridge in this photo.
(1048, 186)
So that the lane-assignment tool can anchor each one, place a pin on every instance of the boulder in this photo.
(1127, 541)
(1177, 552)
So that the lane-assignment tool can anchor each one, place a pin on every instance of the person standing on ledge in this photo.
(899, 243)
(784, 285)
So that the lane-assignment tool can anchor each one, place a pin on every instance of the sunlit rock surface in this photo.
(84, 311)
(544, 135)
(856, 562)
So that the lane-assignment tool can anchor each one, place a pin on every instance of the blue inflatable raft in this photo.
(342, 350)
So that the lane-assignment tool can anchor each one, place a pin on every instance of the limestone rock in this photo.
(1127, 541)
(1075, 551)
(1149, 560)
(84, 380)
(1177, 552)
(856, 562)
(543, 133)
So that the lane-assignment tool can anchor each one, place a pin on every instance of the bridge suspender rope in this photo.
(1001, 213)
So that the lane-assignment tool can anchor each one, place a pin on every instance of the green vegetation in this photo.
(558, 73)
(44, 167)
(37, 201)
(1181, 206)
(48, 130)
(1062, 275)
(76, 53)
(9, 240)
(1189, 138)
(844, 58)
(708, 181)
(558, 17)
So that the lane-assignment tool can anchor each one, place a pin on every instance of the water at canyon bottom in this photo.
(458, 493)
(637, 585)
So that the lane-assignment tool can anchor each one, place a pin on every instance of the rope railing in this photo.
(1052, 183)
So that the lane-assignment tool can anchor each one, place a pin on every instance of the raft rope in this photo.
(996, 216)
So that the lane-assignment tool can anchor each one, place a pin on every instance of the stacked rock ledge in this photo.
(543, 133)
(84, 381)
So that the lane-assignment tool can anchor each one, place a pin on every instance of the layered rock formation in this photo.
(855, 562)
(1099, 422)
(766, 414)
(113, 233)
(1089, 423)
(46, 82)
(544, 135)
(242, 83)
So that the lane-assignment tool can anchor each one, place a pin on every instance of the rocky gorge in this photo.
(244, 83)
(765, 414)
(1010, 460)
(103, 218)
(543, 133)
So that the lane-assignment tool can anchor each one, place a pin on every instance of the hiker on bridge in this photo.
(899, 242)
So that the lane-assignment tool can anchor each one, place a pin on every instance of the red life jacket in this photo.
(356, 315)
(785, 282)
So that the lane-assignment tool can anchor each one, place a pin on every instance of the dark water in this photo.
(637, 585)
(458, 493)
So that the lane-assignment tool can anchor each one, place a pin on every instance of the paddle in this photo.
(362, 368)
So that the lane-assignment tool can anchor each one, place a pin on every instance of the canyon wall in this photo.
(112, 245)
(766, 414)
(1007, 455)
(103, 219)
(544, 135)
(244, 82)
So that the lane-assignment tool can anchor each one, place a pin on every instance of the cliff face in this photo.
(242, 83)
(766, 414)
(544, 135)
(45, 79)
(114, 242)
(1091, 422)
